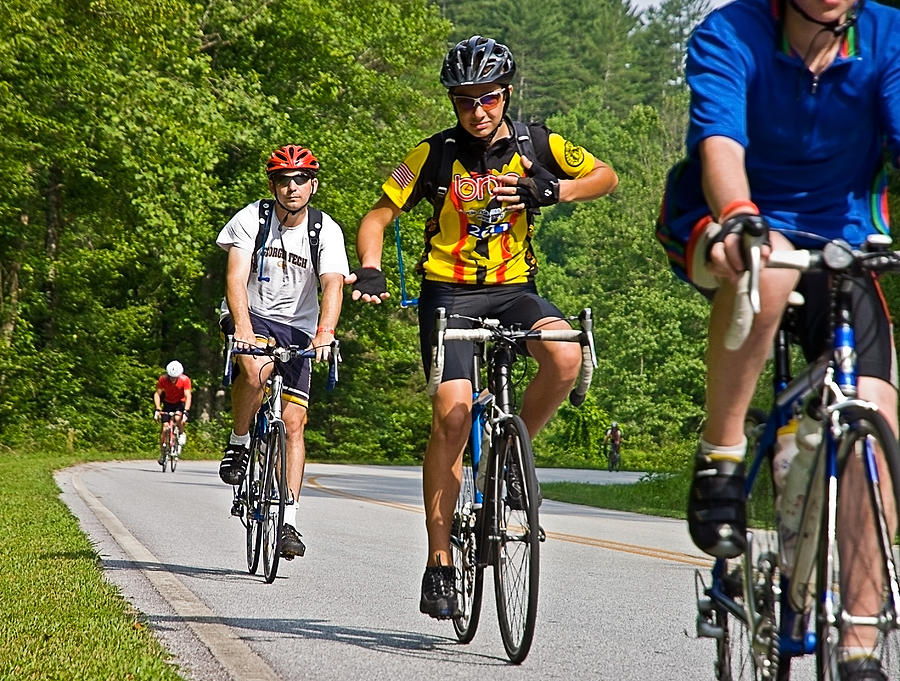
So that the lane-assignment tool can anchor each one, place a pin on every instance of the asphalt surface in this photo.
(616, 602)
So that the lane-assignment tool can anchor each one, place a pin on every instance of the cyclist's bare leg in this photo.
(451, 420)
(863, 587)
(295, 417)
(247, 391)
(732, 375)
(558, 365)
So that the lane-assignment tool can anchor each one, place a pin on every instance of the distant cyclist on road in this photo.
(271, 291)
(485, 187)
(173, 394)
(613, 438)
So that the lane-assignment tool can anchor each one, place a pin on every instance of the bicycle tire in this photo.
(174, 452)
(274, 494)
(863, 429)
(745, 651)
(164, 452)
(614, 458)
(517, 568)
(250, 491)
(464, 548)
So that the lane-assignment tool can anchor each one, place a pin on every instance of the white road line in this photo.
(233, 654)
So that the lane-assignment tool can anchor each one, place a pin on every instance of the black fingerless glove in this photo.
(750, 224)
(539, 188)
(370, 281)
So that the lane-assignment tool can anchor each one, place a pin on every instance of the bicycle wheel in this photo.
(163, 453)
(856, 577)
(174, 452)
(273, 498)
(748, 647)
(517, 568)
(464, 547)
(251, 490)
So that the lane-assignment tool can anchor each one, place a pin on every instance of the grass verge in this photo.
(59, 617)
(654, 494)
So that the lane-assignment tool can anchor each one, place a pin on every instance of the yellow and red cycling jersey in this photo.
(477, 240)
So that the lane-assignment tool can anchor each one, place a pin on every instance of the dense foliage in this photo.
(133, 131)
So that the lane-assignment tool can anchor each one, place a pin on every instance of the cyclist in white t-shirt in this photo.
(271, 291)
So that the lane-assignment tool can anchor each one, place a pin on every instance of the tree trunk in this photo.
(51, 247)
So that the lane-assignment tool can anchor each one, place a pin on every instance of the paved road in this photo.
(616, 588)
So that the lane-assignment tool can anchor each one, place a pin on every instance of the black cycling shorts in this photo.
(298, 371)
(871, 324)
(170, 407)
(510, 303)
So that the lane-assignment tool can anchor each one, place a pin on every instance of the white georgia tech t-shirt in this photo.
(291, 295)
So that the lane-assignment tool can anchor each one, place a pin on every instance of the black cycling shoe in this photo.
(234, 463)
(439, 592)
(290, 542)
(861, 669)
(717, 514)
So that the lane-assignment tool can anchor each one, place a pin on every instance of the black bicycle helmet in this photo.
(476, 61)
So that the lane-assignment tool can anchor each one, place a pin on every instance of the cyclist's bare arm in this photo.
(236, 274)
(332, 296)
(188, 397)
(369, 241)
(725, 181)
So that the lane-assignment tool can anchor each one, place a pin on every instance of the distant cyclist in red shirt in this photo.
(173, 394)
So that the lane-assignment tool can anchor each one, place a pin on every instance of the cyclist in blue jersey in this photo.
(794, 106)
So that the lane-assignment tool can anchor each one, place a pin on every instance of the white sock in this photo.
(290, 514)
(239, 439)
(724, 452)
(849, 654)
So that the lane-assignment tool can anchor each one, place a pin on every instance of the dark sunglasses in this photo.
(285, 180)
(487, 101)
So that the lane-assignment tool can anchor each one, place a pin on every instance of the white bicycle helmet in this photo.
(174, 369)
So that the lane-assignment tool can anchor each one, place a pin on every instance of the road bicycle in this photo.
(496, 519)
(761, 612)
(170, 446)
(614, 460)
(260, 499)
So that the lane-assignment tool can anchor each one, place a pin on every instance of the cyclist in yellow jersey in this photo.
(478, 261)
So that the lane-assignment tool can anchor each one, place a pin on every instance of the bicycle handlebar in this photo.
(836, 256)
(282, 355)
(490, 329)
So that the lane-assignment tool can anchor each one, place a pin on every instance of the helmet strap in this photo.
(837, 26)
(287, 210)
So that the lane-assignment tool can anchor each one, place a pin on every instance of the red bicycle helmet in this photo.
(292, 157)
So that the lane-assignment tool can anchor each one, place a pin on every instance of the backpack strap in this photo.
(265, 225)
(313, 226)
(445, 170)
(523, 140)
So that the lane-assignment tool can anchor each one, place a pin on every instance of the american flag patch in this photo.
(402, 175)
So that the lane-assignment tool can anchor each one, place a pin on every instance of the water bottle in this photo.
(807, 483)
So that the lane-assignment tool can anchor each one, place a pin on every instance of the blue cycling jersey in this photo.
(814, 145)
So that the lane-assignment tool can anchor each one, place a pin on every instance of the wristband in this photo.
(320, 329)
(746, 205)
